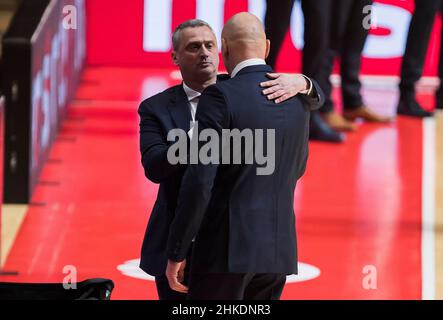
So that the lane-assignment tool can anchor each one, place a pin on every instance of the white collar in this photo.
(246, 63)
(190, 93)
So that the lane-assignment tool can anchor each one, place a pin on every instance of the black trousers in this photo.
(316, 17)
(416, 47)
(347, 38)
(236, 286)
(316, 34)
(165, 292)
(332, 28)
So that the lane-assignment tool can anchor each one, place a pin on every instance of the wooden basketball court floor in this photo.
(369, 211)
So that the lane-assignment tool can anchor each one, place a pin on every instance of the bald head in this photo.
(243, 38)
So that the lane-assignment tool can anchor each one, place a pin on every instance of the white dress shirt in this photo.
(193, 97)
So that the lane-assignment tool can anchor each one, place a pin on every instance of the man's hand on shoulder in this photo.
(283, 86)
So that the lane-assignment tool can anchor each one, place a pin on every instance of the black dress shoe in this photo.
(410, 107)
(319, 130)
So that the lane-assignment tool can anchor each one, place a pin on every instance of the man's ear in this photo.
(225, 49)
(268, 47)
(174, 57)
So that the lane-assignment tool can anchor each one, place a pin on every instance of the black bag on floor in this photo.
(91, 289)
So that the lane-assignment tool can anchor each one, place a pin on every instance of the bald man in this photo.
(195, 52)
(240, 215)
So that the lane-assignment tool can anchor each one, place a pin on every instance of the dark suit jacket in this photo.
(245, 222)
(159, 114)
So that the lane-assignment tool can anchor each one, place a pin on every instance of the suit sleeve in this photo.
(316, 98)
(305, 152)
(154, 146)
(195, 190)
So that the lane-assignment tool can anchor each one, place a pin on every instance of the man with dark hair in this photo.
(332, 29)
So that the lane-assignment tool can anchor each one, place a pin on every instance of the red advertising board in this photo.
(43, 56)
(137, 33)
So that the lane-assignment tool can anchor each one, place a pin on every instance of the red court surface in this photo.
(358, 205)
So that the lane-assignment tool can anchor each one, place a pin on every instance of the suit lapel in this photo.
(179, 109)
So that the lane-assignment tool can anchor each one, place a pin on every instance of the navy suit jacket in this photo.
(243, 222)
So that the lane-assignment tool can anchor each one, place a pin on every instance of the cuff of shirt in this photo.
(309, 89)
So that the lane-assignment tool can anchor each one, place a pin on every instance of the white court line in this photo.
(428, 211)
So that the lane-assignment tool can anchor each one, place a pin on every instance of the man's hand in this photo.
(175, 272)
(283, 86)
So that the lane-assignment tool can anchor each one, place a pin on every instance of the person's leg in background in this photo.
(353, 43)
(277, 20)
(316, 35)
(339, 14)
(317, 15)
(348, 37)
(414, 57)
